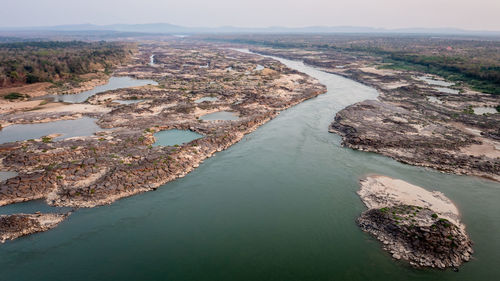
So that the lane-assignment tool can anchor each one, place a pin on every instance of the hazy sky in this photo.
(467, 14)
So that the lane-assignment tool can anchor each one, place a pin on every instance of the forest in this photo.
(52, 61)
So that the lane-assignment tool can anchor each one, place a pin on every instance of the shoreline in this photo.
(405, 123)
(96, 170)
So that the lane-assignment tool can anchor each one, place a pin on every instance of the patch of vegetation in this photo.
(15, 96)
(469, 110)
(53, 61)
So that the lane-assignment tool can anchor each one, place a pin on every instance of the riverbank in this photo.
(100, 169)
(417, 119)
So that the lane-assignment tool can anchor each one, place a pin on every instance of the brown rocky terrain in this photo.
(120, 162)
(17, 225)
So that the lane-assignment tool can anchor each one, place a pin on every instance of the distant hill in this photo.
(166, 28)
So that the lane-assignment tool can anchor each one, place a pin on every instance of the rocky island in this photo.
(414, 224)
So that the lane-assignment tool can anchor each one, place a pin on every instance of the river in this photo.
(279, 205)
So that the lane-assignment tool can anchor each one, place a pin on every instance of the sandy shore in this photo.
(380, 191)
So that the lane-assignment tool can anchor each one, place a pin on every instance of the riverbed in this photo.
(279, 205)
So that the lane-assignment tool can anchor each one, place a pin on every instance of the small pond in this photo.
(221, 115)
(432, 81)
(85, 126)
(7, 175)
(175, 137)
(447, 90)
(484, 110)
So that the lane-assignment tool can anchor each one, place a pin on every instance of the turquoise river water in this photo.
(279, 205)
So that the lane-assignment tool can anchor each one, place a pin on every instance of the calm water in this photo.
(85, 126)
(7, 175)
(279, 205)
(113, 84)
(173, 137)
(431, 81)
(485, 110)
(31, 207)
(447, 90)
(221, 115)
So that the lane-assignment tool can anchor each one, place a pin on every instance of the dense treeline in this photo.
(473, 61)
(50, 61)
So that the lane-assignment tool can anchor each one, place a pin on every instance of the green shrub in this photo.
(13, 96)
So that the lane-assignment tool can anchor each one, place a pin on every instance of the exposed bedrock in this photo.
(414, 224)
(412, 138)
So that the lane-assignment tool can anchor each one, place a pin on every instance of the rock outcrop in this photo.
(413, 224)
(17, 225)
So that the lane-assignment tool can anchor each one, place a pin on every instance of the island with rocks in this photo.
(414, 224)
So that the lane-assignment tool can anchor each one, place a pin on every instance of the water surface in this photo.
(432, 81)
(7, 175)
(447, 90)
(175, 137)
(485, 110)
(221, 115)
(81, 127)
(113, 84)
(31, 207)
(279, 205)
